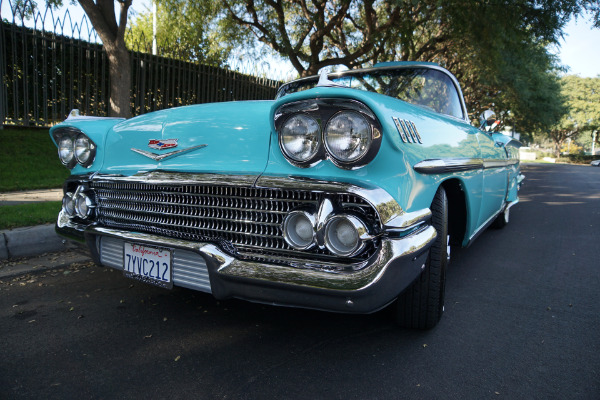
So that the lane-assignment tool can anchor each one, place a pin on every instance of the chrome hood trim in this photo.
(160, 157)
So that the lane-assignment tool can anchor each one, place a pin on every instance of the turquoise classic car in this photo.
(344, 194)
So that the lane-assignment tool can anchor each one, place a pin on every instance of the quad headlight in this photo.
(65, 151)
(348, 136)
(68, 204)
(74, 147)
(300, 138)
(344, 131)
(83, 149)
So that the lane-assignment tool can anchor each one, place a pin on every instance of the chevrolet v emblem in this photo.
(160, 157)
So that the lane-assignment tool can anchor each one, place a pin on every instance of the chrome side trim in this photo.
(483, 226)
(448, 165)
(511, 203)
(442, 166)
(408, 220)
(488, 163)
(160, 157)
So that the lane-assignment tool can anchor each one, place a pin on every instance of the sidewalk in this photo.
(33, 240)
(30, 196)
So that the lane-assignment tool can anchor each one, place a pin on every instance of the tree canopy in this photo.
(185, 30)
(582, 99)
(497, 49)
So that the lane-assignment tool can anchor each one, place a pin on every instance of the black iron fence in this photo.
(48, 72)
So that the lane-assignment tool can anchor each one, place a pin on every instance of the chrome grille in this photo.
(243, 220)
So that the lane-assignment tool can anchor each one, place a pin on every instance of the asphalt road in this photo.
(521, 322)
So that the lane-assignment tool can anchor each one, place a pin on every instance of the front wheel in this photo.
(421, 305)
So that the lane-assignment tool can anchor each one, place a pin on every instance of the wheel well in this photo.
(457, 211)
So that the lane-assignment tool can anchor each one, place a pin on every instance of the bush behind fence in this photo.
(47, 73)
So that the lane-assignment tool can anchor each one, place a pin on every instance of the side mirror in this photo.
(488, 121)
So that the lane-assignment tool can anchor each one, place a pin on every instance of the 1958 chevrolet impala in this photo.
(343, 194)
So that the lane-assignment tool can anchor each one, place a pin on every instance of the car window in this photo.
(425, 87)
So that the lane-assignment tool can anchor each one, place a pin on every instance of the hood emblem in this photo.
(160, 157)
(162, 144)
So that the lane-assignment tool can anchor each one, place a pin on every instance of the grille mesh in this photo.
(246, 220)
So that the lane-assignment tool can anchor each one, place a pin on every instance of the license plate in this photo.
(148, 264)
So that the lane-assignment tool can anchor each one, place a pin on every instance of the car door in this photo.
(495, 177)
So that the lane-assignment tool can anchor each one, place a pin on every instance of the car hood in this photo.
(230, 138)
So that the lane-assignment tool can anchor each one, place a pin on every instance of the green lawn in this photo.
(29, 160)
(29, 214)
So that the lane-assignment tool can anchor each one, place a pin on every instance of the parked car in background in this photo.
(595, 163)
(345, 193)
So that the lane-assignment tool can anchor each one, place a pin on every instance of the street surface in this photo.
(521, 322)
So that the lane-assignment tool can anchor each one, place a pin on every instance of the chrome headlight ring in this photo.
(299, 229)
(349, 132)
(343, 233)
(74, 147)
(346, 235)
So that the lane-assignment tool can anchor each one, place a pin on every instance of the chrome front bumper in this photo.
(366, 286)
(205, 267)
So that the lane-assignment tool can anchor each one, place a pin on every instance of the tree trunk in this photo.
(558, 146)
(119, 64)
(112, 33)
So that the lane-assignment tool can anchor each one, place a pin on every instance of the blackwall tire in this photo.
(421, 305)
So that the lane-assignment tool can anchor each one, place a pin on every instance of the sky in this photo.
(579, 50)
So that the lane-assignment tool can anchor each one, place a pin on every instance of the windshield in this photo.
(425, 87)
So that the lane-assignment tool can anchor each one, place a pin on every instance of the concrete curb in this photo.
(29, 241)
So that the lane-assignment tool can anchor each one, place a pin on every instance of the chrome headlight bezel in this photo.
(62, 135)
(323, 111)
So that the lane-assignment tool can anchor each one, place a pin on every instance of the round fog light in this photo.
(344, 235)
(68, 204)
(298, 230)
(83, 205)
